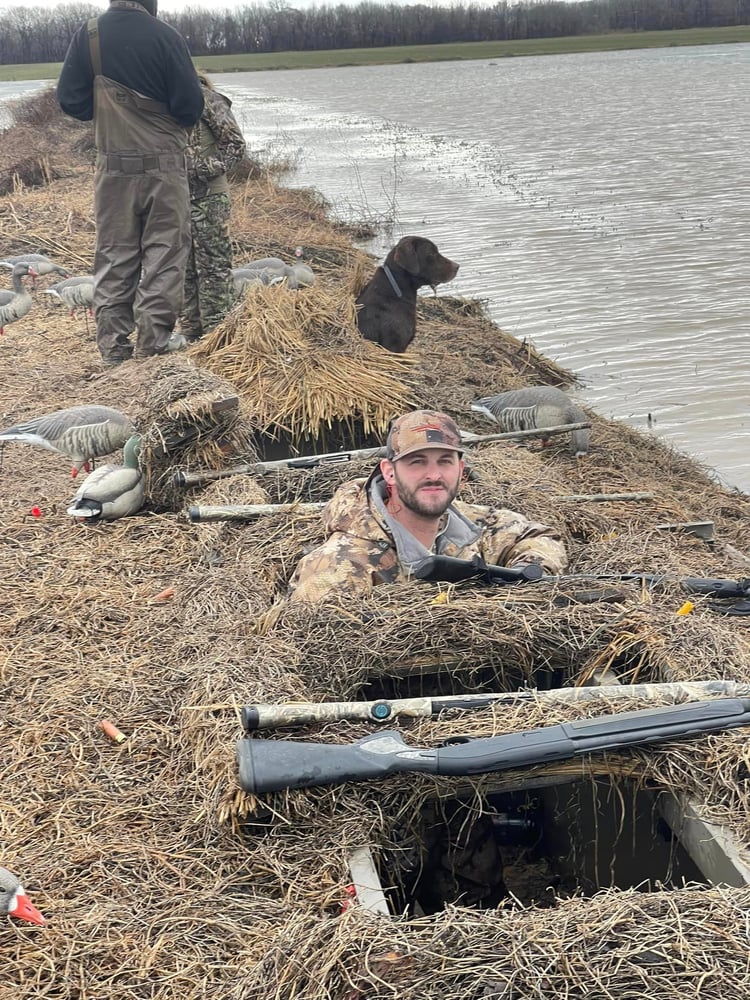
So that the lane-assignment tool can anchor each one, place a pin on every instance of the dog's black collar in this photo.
(392, 280)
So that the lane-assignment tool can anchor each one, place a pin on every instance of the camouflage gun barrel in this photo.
(260, 716)
(249, 511)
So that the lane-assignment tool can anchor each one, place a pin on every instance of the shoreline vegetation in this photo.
(332, 58)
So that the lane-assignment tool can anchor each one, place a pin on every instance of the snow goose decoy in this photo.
(83, 433)
(37, 261)
(15, 304)
(14, 901)
(74, 292)
(112, 491)
(535, 408)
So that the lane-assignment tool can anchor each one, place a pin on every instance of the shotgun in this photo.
(260, 716)
(252, 511)
(447, 569)
(274, 765)
(184, 478)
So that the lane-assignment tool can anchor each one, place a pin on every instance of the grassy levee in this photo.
(432, 53)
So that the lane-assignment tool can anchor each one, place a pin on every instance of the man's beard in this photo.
(426, 506)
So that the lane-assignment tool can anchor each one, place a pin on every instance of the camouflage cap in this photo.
(419, 430)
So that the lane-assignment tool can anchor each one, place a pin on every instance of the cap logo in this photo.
(434, 432)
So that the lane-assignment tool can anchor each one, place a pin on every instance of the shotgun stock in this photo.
(448, 569)
(274, 765)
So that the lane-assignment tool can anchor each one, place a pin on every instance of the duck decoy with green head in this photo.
(112, 491)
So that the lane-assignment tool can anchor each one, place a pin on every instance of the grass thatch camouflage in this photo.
(158, 876)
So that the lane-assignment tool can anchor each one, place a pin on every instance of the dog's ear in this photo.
(406, 254)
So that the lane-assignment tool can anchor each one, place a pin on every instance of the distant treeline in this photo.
(40, 35)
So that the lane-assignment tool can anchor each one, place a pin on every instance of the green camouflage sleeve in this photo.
(230, 143)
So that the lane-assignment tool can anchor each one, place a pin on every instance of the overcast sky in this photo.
(176, 5)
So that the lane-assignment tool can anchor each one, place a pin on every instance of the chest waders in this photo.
(142, 209)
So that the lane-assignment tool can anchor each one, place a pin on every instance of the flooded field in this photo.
(598, 203)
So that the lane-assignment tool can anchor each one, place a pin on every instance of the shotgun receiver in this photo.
(448, 569)
(273, 765)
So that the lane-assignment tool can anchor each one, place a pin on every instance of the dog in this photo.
(387, 313)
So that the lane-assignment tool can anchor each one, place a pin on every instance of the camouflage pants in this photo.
(209, 289)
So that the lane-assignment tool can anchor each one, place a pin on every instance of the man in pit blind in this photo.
(381, 528)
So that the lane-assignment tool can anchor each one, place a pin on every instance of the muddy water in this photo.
(599, 203)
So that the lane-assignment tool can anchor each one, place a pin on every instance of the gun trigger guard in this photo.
(481, 564)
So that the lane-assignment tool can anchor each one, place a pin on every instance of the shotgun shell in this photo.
(111, 731)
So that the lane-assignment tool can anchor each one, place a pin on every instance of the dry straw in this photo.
(158, 876)
(298, 360)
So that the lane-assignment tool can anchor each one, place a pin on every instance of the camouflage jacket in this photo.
(366, 547)
(214, 145)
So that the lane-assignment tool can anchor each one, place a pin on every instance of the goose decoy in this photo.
(112, 491)
(535, 408)
(40, 264)
(83, 433)
(14, 901)
(271, 271)
(303, 272)
(244, 277)
(74, 292)
(15, 304)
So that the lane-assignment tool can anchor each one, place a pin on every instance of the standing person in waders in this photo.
(133, 75)
(215, 145)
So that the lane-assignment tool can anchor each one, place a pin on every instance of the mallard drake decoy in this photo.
(15, 304)
(535, 408)
(40, 263)
(14, 901)
(74, 292)
(83, 433)
(112, 491)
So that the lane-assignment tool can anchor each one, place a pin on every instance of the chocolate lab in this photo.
(388, 302)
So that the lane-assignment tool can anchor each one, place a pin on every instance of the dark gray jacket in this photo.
(138, 51)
